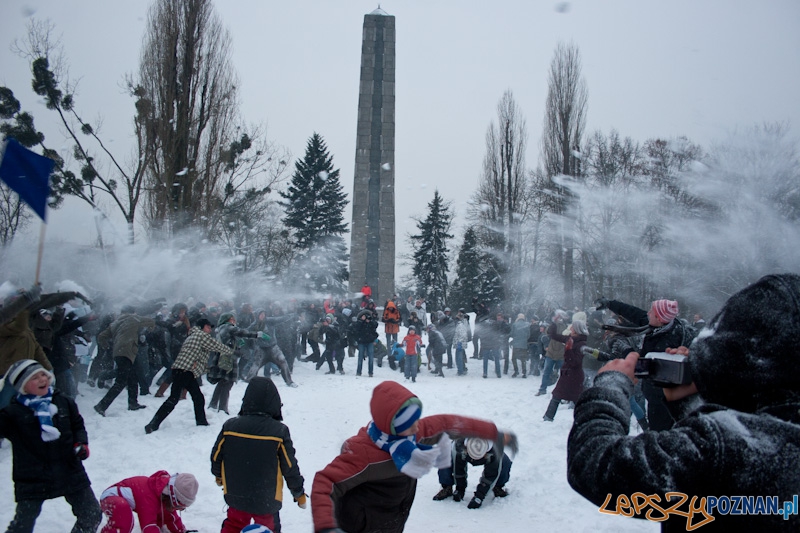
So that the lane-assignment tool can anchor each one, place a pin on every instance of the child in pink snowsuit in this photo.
(155, 499)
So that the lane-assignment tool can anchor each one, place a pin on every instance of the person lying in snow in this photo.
(371, 484)
(156, 500)
(743, 441)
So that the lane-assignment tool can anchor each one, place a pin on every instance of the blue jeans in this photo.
(411, 363)
(461, 355)
(549, 367)
(369, 348)
(493, 354)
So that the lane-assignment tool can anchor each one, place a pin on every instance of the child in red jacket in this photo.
(156, 500)
(370, 485)
(412, 344)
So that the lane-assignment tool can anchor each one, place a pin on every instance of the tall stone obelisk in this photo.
(372, 232)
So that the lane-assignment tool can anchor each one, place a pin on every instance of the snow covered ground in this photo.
(321, 413)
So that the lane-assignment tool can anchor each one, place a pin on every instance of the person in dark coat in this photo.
(570, 383)
(253, 454)
(365, 330)
(49, 443)
(477, 452)
(738, 427)
(662, 330)
(226, 370)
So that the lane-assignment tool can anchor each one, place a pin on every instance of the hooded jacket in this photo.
(145, 496)
(391, 318)
(254, 453)
(362, 490)
(124, 334)
(17, 343)
(744, 442)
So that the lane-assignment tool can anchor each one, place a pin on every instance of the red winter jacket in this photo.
(144, 495)
(362, 489)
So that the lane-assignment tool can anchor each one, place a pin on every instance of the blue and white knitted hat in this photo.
(407, 415)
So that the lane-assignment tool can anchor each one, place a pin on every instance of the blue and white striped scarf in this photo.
(400, 448)
(44, 411)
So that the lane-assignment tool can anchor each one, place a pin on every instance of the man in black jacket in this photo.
(738, 429)
(662, 330)
(251, 452)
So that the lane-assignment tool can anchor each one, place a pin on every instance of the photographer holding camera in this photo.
(662, 330)
(742, 443)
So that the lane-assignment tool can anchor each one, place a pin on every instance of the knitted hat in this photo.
(203, 322)
(256, 528)
(182, 489)
(412, 328)
(224, 317)
(665, 310)
(328, 317)
(579, 327)
(22, 371)
(477, 448)
(407, 415)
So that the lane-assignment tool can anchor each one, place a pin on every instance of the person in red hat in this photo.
(662, 330)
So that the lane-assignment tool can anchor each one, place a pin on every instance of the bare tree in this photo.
(564, 123)
(499, 202)
(189, 92)
(50, 80)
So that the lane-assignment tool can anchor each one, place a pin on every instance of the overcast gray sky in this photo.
(698, 68)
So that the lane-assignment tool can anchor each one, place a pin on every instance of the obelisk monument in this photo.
(372, 232)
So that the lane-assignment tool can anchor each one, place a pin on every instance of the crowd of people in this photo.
(50, 344)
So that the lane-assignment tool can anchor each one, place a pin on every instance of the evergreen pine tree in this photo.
(466, 284)
(314, 205)
(430, 253)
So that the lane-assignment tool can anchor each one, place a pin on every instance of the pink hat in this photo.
(665, 310)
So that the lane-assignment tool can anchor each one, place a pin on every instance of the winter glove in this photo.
(218, 481)
(420, 463)
(601, 303)
(302, 501)
(81, 450)
(263, 336)
(507, 440)
(445, 457)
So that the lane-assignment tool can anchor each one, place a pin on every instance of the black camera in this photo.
(663, 369)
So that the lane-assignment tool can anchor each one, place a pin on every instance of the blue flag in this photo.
(28, 174)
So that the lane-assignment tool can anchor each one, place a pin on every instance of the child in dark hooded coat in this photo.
(251, 458)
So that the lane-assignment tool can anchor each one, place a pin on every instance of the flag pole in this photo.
(41, 251)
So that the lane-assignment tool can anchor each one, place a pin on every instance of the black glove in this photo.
(601, 303)
(81, 450)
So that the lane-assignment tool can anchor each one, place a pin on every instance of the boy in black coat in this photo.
(252, 451)
(49, 442)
